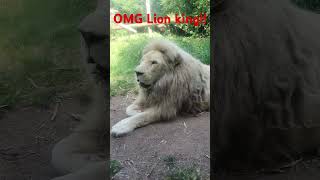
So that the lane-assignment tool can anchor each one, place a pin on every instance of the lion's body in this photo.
(266, 86)
(187, 88)
(175, 83)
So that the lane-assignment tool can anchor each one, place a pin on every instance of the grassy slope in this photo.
(39, 46)
(126, 53)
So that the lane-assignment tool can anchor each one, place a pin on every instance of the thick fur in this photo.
(266, 83)
(176, 83)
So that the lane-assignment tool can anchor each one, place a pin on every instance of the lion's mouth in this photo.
(144, 85)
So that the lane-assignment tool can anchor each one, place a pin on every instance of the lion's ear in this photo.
(174, 57)
(177, 60)
(167, 48)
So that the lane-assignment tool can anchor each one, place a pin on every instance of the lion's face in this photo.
(151, 68)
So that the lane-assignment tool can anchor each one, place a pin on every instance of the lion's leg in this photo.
(82, 146)
(137, 106)
(126, 125)
(144, 118)
(133, 109)
(77, 151)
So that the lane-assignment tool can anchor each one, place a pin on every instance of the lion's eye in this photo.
(154, 62)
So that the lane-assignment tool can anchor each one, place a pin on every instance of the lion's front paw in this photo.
(121, 128)
(133, 109)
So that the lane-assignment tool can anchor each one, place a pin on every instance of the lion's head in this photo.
(159, 58)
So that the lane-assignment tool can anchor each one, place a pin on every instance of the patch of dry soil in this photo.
(27, 136)
(305, 170)
(142, 151)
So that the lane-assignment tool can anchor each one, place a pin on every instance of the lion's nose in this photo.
(139, 73)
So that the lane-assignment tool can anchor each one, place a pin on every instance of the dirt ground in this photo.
(27, 136)
(141, 152)
(305, 170)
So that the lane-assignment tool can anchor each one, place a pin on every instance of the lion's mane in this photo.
(185, 86)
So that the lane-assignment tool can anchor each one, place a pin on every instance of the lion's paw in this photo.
(121, 128)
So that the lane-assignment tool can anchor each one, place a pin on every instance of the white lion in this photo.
(171, 82)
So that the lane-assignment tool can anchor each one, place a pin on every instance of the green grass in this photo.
(176, 172)
(170, 161)
(39, 59)
(39, 45)
(185, 173)
(125, 54)
(115, 167)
